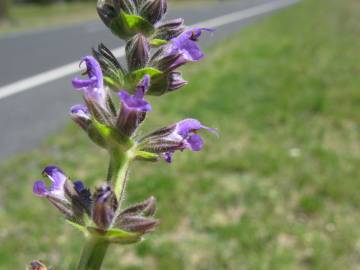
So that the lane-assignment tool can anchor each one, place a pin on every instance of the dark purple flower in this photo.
(56, 189)
(133, 107)
(81, 115)
(104, 206)
(93, 87)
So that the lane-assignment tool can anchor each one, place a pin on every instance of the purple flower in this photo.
(180, 136)
(72, 199)
(81, 115)
(179, 51)
(133, 108)
(93, 87)
(186, 45)
(56, 189)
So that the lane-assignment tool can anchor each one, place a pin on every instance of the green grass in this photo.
(278, 190)
(26, 17)
(31, 16)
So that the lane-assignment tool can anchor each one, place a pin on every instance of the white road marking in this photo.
(63, 71)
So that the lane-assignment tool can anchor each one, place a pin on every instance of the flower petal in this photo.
(39, 188)
(195, 142)
(58, 178)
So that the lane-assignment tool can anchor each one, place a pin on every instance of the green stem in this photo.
(93, 254)
(118, 168)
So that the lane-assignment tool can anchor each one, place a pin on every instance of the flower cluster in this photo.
(114, 109)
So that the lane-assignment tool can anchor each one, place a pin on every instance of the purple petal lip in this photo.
(39, 189)
(79, 186)
(133, 102)
(83, 83)
(168, 156)
(80, 110)
(137, 101)
(195, 142)
(143, 86)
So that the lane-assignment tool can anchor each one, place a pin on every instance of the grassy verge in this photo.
(29, 16)
(33, 17)
(278, 190)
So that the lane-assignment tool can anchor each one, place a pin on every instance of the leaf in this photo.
(115, 235)
(78, 227)
(146, 156)
(127, 25)
(156, 42)
(158, 80)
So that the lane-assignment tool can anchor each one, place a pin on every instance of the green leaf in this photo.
(146, 156)
(113, 83)
(158, 80)
(115, 235)
(78, 227)
(127, 25)
(112, 136)
(156, 42)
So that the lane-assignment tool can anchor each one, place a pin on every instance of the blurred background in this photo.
(279, 189)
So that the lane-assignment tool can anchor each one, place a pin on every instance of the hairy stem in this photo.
(119, 164)
(93, 254)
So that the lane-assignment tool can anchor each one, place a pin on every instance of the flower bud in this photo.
(106, 12)
(128, 6)
(122, 18)
(104, 206)
(38, 265)
(153, 10)
(137, 52)
(81, 116)
(165, 61)
(137, 224)
(169, 29)
(175, 81)
(146, 208)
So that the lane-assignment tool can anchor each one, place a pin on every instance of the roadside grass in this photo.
(32, 16)
(278, 190)
(26, 17)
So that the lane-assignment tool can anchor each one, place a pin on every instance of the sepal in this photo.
(125, 25)
(137, 52)
(159, 81)
(153, 10)
(111, 68)
(146, 156)
(113, 235)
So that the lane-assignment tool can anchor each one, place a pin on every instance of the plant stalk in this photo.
(93, 254)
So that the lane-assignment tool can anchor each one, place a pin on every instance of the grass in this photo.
(26, 17)
(278, 190)
(32, 16)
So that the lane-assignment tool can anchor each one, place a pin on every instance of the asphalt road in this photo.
(26, 118)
